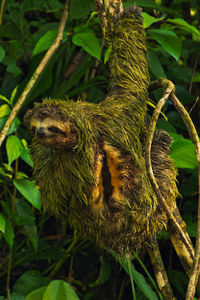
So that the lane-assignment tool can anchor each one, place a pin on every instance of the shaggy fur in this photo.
(89, 160)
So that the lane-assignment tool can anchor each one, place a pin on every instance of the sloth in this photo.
(89, 158)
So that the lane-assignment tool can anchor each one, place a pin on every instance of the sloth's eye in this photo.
(56, 130)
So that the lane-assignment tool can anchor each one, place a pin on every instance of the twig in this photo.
(193, 106)
(159, 270)
(169, 88)
(193, 72)
(185, 258)
(97, 62)
(76, 60)
(1, 11)
(37, 73)
(195, 139)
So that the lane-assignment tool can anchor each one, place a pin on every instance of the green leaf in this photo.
(182, 152)
(45, 42)
(137, 277)
(107, 54)
(17, 296)
(4, 110)
(105, 271)
(168, 40)
(139, 280)
(30, 281)
(165, 125)
(184, 25)
(12, 98)
(89, 42)
(15, 124)
(13, 148)
(26, 156)
(155, 65)
(11, 63)
(2, 223)
(59, 290)
(2, 53)
(36, 294)
(9, 233)
(28, 189)
(79, 9)
(26, 217)
(149, 20)
(4, 99)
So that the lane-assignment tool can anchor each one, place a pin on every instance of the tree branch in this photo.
(37, 73)
(195, 139)
(169, 92)
(159, 270)
(108, 11)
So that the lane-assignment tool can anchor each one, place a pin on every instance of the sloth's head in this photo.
(51, 128)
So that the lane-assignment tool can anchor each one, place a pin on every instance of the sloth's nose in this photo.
(40, 131)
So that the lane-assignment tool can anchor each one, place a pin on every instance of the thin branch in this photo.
(195, 139)
(75, 63)
(193, 72)
(185, 258)
(169, 89)
(97, 62)
(37, 73)
(159, 271)
(1, 11)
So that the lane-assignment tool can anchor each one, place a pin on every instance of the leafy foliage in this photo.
(35, 249)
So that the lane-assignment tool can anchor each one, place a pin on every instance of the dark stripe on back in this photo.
(106, 176)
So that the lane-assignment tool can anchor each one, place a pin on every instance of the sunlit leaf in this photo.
(59, 290)
(13, 95)
(4, 99)
(45, 42)
(28, 189)
(36, 294)
(89, 42)
(182, 152)
(107, 54)
(184, 25)
(149, 20)
(168, 40)
(13, 148)
(4, 110)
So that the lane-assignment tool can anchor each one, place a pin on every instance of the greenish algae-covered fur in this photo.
(95, 176)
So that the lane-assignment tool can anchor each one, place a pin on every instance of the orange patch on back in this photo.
(114, 161)
(98, 190)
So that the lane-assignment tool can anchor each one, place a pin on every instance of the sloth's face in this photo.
(51, 130)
